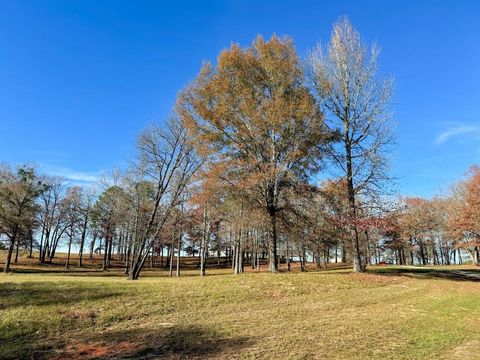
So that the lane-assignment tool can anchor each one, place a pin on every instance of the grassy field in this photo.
(389, 313)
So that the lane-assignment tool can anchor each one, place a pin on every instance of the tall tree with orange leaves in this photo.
(464, 214)
(254, 111)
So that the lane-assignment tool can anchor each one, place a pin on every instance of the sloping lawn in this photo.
(390, 313)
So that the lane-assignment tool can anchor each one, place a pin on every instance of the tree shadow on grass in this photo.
(430, 273)
(166, 341)
(49, 293)
(74, 272)
(112, 272)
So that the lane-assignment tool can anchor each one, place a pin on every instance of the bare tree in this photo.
(167, 162)
(355, 103)
(72, 205)
(85, 210)
(52, 217)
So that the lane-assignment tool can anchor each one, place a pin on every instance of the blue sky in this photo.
(80, 79)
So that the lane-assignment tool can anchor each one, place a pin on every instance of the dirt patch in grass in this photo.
(467, 350)
(170, 342)
(96, 350)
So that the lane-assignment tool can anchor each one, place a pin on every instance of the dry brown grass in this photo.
(389, 313)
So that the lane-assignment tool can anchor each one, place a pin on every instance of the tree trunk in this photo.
(203, 245)
(369, 250)
(272, 256)
(358, 265)
(69, 250)
(239, 254)
(422, 253)
(16, 253)
(109, 256)
(82, 241)
(6, 269)
(105, 255)
(161, 256)
(92, 246)
(318, 263)
(170, 271)
(30, 234)
(344, 253)
(40, 250)
(128, 256)
(203, 261)
(287, 256)
(179, 247)
(302, 263)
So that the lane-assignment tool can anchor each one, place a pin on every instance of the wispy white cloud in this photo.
(71, 175)
(455, 130)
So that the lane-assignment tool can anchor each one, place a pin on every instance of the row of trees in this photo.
(439, 230)
(130, 213)
(38, 213)
(236, 172)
